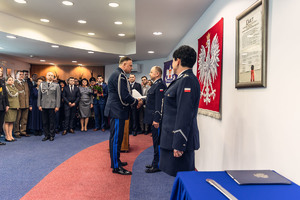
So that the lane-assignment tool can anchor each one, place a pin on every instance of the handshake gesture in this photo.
(140, 103)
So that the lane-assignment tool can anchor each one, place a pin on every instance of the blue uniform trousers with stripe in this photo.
(155, 138)
(115, 140)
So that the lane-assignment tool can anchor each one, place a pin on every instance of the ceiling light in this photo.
(45, 20)
(121, 56)
(82, 21)
(118, 23)
(150, 51)
(31, 56)
(80, 64)
(157, 33)
(90, 52)
(51, 63)
(11, 37)
(54, 46)
(121, 34)
(21, 1)
(74, 61)
(68, 3)
(114, 5)
(43, 60)
(1, 48)
(91, 33)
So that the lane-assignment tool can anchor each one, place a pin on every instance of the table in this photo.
(193, 185)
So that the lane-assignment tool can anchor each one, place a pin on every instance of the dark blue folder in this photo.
(257, 177)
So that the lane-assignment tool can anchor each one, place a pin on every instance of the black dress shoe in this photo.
(51, 138)
(17, 136)
(2, 143)
(45, 138)
(148, 166)
(123, 164)
(8, 140)
(134, 133)
(72, 131)
(121, 171)
(152, 170)
(64, 132)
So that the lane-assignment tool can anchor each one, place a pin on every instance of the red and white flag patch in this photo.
(161, 90)
(187, 89)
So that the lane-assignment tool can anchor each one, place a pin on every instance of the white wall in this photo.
(260, 126)
(13, 64)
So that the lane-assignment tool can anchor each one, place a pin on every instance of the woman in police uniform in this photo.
(180, 135)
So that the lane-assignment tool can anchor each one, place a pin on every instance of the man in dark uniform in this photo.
(180, 134)
(153, 113)
(117, 108)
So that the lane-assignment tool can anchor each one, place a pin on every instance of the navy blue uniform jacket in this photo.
(119, 97)
(153, 102)
(180, 108)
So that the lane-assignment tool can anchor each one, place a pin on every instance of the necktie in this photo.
(48, 85)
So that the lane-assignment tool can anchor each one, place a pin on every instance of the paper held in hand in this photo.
(137, 95)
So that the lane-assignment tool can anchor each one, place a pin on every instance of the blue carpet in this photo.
(26, 162)
(149, 186)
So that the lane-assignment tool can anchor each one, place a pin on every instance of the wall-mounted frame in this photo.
(251, 46)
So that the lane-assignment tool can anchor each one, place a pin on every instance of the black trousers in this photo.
(2, 114)
(155, 138)
(134, 120)
(70, 113)
(115, 141)
(48, 116)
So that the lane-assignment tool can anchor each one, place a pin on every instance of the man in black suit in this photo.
(134, 115)
(71, 97)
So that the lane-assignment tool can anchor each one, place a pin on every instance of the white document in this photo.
(137, 95)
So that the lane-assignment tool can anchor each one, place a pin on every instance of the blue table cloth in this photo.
(193, 185)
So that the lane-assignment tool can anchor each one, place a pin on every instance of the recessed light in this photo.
(150, 51)
(80, 64)
(1, 48)
(82, 21)
(11, 37)
(21, 1)
(121, 34)
(90, 52)
(114, 5)
(74, 61)
(54, 46)
(31, 56)
(118, 23)
(68, 3)
(51, 63)
(45, 20)
(43, 60)
(121, 56)
(157, 33)
(91, 33)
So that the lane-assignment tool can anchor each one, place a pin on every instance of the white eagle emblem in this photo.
(208, 67)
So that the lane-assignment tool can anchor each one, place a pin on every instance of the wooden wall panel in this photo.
(64, 72)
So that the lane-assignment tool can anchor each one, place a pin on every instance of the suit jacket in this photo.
(3, 96)
(180, 108)
(69, 96)
(102, 100)
(49, 97)
(119, 97)
(153, 102)
(136, 86)
(24, 93)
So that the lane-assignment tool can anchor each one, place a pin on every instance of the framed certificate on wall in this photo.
(251, 46)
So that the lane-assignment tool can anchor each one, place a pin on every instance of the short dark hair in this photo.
(187, 55)
(70, 78)
(61, 81)
(99, 76)
(131, 74)
(144, 77)
(123, 59)
(92, 79)
(84, 79)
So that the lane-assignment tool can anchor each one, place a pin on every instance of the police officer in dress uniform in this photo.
(153, 114)
(49, 97)
(180, 134)
(117, 108)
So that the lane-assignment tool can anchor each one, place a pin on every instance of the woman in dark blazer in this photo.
(4, 106)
